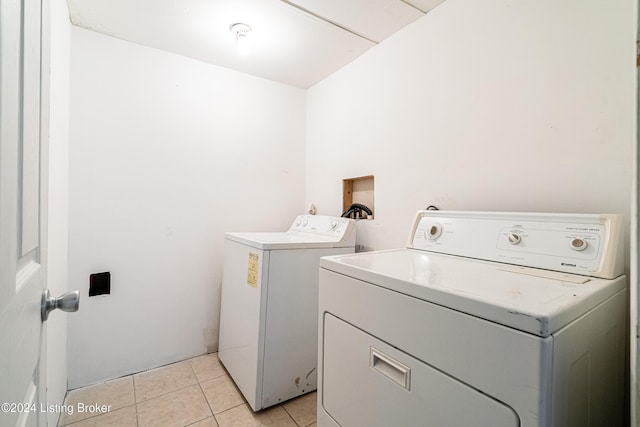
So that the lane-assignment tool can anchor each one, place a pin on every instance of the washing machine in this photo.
(484, 319)
(268, 316)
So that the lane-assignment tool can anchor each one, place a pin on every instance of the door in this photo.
(23, 147)
(634, 283)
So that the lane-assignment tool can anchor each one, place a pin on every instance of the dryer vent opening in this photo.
(100, 284)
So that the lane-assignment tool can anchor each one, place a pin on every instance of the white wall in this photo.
(166, 154)
(57, 280)
(492, 105)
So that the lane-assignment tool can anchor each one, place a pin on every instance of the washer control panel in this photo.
(573, 243)
(331, 226)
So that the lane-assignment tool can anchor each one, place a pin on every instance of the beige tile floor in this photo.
(197, 392)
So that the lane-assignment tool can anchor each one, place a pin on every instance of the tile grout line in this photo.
(195, 422)
(233, 407)
(208, 404)
(290, 416)
(98, 415)
(187, 361)
(203, 394)
(164, 394)
(80, 389)
(227, 375)
(135, 398)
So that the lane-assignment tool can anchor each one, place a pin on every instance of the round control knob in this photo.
(333, 224)
(514, 238)
(578, 244)
(433, 231)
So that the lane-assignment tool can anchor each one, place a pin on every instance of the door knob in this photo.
(69, 301)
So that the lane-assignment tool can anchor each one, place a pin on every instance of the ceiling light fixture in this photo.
(241, 32)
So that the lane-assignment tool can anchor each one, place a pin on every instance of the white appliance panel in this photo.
(591, 353)
(362, 369)
(531, 300)
(586, 244)
(306, 232)
(291, 334)
(336, 228)
(275, 241)
(450, 341)
(242, 323)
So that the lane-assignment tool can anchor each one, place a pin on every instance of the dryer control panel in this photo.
(590, 245)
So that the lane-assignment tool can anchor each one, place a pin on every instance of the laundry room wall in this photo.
(492, 105)
(167, 154)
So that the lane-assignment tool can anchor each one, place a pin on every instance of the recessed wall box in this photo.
(358, 190)
(100, 284)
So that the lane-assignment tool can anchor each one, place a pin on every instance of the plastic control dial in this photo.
(514, 238)
(433, 232)
(578, 244)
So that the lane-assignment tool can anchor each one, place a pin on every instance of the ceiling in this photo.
(296, 42)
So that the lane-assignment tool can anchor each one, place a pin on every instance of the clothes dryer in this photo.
(485, 319)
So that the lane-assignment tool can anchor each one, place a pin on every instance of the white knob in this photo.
(514, 238)
(334, 224)
(578, 244)
(433, 231)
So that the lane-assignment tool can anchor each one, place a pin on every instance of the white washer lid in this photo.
(306, 232)
(284, 240)
(536, 301)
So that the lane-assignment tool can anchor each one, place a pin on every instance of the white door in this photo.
(23, 147)
(635, 263)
